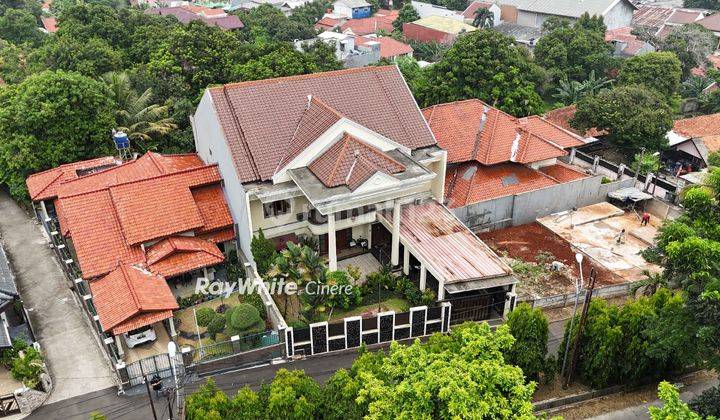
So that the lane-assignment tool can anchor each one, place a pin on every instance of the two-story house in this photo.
(347, 159)
(352, 9)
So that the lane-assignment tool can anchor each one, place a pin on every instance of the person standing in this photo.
(645, 219)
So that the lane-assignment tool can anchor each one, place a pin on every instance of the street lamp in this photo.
(172, 352)
(578, 287)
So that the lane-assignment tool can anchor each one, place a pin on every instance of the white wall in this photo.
(341, 9)
(212, 148)
(620, 15)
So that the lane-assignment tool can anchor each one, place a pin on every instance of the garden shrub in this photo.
(343, 300)
(204, 316)
(243, 319)
(707, 404)
(216, 325)
(530, 328)
(263, 252)
(27, 367)
(256, 301)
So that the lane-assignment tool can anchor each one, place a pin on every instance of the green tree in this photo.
(407, 14)
(571, 91)
(691, 43)
(573, 52)
(529, 327)
(20, 26)
(13, 63)
(134, 114)
(484, 18)
(242, 320)
(486, 65)
(646, 163)
(702, 4)
(267, 21)
(707, 403)
(263, 252)
(632, 116)
(292, 395)
(208, 402)
(673, 407)
(310, 12)
(89, 57)
(49, 119)
(660, 71)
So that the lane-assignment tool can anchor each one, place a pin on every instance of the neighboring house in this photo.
(660, 21)
(345, 158)
(525, 35)
(352, 9)
(615, 13)
(427, 9)
(328, 23)
(692, 139)
(436, 28)
(712, 23)
(471, 11)
(347, 49)
(13, 317)
(136, 229)
(492, 154)
(625, 43)
(189, 13)
(390, 48)
(368, 26)
(49, 24)
(561, 117)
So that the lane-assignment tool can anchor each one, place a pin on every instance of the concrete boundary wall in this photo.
(527, 207)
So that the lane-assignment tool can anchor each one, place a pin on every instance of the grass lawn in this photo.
(393, 304)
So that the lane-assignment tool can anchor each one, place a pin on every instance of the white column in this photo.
(44, 210)
(121, 352)
(508, 298)
(172, 327)
(441, 289)
(406, 261)
(395, 254)
(369, 235)
(423, 276)
(332, 252)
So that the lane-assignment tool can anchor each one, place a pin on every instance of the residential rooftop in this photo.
(445, 24)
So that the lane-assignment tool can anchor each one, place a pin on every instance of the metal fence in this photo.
(160, 365)
(233, 346)
(560, 301)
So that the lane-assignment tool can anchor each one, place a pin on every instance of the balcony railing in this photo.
(315, 218)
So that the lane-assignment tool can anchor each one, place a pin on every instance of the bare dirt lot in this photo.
(525, 242)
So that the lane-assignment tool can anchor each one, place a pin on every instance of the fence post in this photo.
(621, 171)
(572, 155)
(596, 162)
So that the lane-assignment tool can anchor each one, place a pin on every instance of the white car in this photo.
(139, 336)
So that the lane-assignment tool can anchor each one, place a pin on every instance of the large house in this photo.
(141, 232)
(347, 159)
(492, 154)
(532, 13)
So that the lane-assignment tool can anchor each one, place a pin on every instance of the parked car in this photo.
(139, 336)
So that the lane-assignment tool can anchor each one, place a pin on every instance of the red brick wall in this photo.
(423, 34)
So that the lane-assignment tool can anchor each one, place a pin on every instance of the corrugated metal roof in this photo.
(442, 241)
(571, 8)
(7, 280)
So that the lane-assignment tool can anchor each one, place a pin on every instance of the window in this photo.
(276, 208)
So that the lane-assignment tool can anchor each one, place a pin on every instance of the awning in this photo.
(630, 193)
(451, 252)
(469, 286)
(181, 254)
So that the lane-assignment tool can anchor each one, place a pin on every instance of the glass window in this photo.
(276, 208)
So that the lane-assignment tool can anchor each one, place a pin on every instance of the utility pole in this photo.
(581, 325)
(170, 405)
(152, 405)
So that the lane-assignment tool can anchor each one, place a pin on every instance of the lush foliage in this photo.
(204, 316)
(243, 319)
(27, 367)
(461, 375)
(263, 252)
(691, 43)
(673, 407)
(486, 65)
(634, 117)
(660, 71)
(707, 403)
(529, 327)
(406, 14)
(642, 339)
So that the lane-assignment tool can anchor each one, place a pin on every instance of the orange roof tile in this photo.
(327, 23)
(562, 173)
(472, 130)
(389, 47)
(367, 26)
(129, 292)
(700, 126)
(470, 183)
(50, 24)
(210, 201)
(44, 185)
(561, 117)
(351, 162)
(218, 236)
(182, 254)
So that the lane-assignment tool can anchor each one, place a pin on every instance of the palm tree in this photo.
(571, 91)
(651, 283)
(135, 115)
(694, 86)
(484, 18)
(592, 84)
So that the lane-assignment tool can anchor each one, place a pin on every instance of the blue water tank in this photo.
(121, 140)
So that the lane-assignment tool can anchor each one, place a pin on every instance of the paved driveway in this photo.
(77, 364)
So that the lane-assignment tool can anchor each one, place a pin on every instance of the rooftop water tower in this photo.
(122, 144)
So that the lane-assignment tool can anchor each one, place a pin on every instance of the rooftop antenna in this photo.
(122, 144)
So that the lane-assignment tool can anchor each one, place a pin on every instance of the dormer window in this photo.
(276, 208)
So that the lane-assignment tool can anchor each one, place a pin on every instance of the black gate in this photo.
(8, 405)
(159, 364)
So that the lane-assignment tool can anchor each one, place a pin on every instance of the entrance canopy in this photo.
(450, 251)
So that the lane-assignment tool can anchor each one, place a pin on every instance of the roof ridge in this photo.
(492, 135)
(347, 138)
(238, 127)
(392, 103)
(302, 76)
(155, 162)
(131, 288)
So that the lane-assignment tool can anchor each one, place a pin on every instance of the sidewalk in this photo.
(74, 359)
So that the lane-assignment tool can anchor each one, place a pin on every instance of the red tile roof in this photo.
(328, 23)
(620, 34)
(50, 24)
(683, 16)
(111, 215)
(389, 47)
(714, 61)
(390, 15)
(367, 26)
(351, 162)
(186, 14)
(700, 126)
(469, 12)
(449, 247)
(260, 118)
(561, 117)
(711, 22)
(472, 130)
(562, 173)
(44, 185)
(471, 182)
(182, 254)
(651, 16)
(130, 297)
